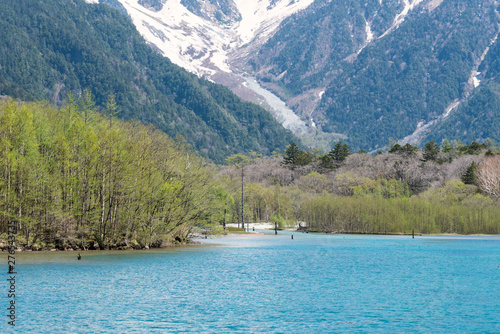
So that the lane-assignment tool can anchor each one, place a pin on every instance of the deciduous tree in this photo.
(489, 176)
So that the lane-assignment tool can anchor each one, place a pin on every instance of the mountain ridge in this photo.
(55, 48)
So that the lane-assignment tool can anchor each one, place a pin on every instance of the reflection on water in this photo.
(266, 283)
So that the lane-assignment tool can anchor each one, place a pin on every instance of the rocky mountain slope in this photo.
(209, 38)
(366, 71)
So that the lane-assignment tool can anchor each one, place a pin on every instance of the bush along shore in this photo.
(69, 244)
(73, 178)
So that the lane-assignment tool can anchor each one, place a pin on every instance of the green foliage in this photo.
(303, 158)
(475, 148)
(340, 152)
(291, 153)
(446, 146)
(235, 230)
(431, 151)
(73, 180)
(294, 156)
(407, 149)
(384, 188)
(277, 218)
(470, 175)
(94, 50)
(401, 215)
(238, 160)
(326, 161)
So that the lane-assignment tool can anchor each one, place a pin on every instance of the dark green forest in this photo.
(478, 117)
(51, 49)
(310, 44)
(383, 90)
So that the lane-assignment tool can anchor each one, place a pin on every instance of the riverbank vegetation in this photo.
(74, 178)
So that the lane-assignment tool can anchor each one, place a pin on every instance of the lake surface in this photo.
(315, 283)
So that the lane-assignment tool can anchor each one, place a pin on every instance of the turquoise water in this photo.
(266, 284)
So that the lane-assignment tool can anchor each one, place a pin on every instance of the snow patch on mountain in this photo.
(433, 4)
(369, 36)
(280, 111)
(416, 137)
(474, 80)
(453, 105)
(198, 45)
(408, 6)
(260, 19)
(202, 46)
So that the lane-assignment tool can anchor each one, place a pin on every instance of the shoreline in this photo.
(199, 240)
(119, 248)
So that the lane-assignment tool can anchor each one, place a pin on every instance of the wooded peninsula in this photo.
(74, 178)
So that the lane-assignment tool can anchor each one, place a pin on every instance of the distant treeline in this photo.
(449, 189)
(376, 214)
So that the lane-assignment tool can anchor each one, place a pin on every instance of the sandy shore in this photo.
(261, 226)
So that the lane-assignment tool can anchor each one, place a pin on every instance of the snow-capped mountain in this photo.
(59, 51)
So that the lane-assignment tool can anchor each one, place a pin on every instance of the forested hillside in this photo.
(306, 52)
(378, 72)
(477, 117)
(51, 48)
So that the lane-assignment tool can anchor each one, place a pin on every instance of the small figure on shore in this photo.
(79, 257)
(292, 236)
